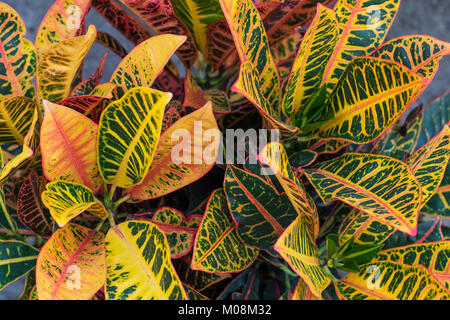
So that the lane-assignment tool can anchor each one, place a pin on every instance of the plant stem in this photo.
(8, 216)
(100, 225)
(112, 222)
(120, 201)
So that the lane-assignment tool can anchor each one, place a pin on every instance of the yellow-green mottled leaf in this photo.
(302, 292)
(138, 264)
(369, 97)
(17, 56)
(217, 247)
(363, 25)
(60, 63)
(66, 200)
(17, 258)
(64, 20)
(309, 66)
(274, 155)
(128, 134)
(434, 256)
(363, 228)
(16, 116)
(9, 168)
(382, 280)
(429, 163)
(71, 264)
(179, 230)
(181, 156)
(380, 186)
(69, 146)
(296, 247)
(144, 64)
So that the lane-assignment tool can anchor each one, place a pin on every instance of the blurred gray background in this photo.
(428, 17)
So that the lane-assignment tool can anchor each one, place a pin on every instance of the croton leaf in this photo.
(316, 48)
(375, 282)
(64, 20)
(282, 21)
(85, 87)
(430, 162)
(179, 230)
(138, 264)
(160, 17)
(143, 64)
(68, 145)
(197, 15)
(66, 200)
(217, 247)
(108, 41)
(438, 203)
(16, 116)
(88, 105)
(434, 256)
(370, 96)
(25, 154)
(258, 77)
(122, 20)
(30, 286)
(364, 229)
(436, 116)
(17, 58)
(380, 186)
(71, 264)
(179, 163)
(284, 53)
(59, 64)
(363, 25)
(421, 54)
(274, 155)
(303, 292)
(30, 209)
(17, 258)
(220, 44)
(193, 294)
(260, 212)
(128, 134)
(296, 247)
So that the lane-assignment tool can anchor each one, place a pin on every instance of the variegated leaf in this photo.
(380, 186)
(430, 162)
(128, 134)
(68, 145)
(369, 97)
(71, 264)
(64, 20)
(9, 168)
(17, 258)
(16, 116)
(17, 57)
(217, 247)
(160, 17)
(363, 228)
(108, 41)
(122, 20)
(302, 292)
(260, 212)
(197, 15)
(382, 280)
(434, 256)
(421, 54)
(178, 163)
(59, 64)
(309, 66)
(296, 247)
(290, 14)
(139, 266)
(274, 155)
(144, 63)
(179, 230)
(30, 209)
(363, 25)
(85, 87)
(66, 200)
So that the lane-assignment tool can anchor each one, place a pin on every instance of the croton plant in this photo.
(349, 200)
